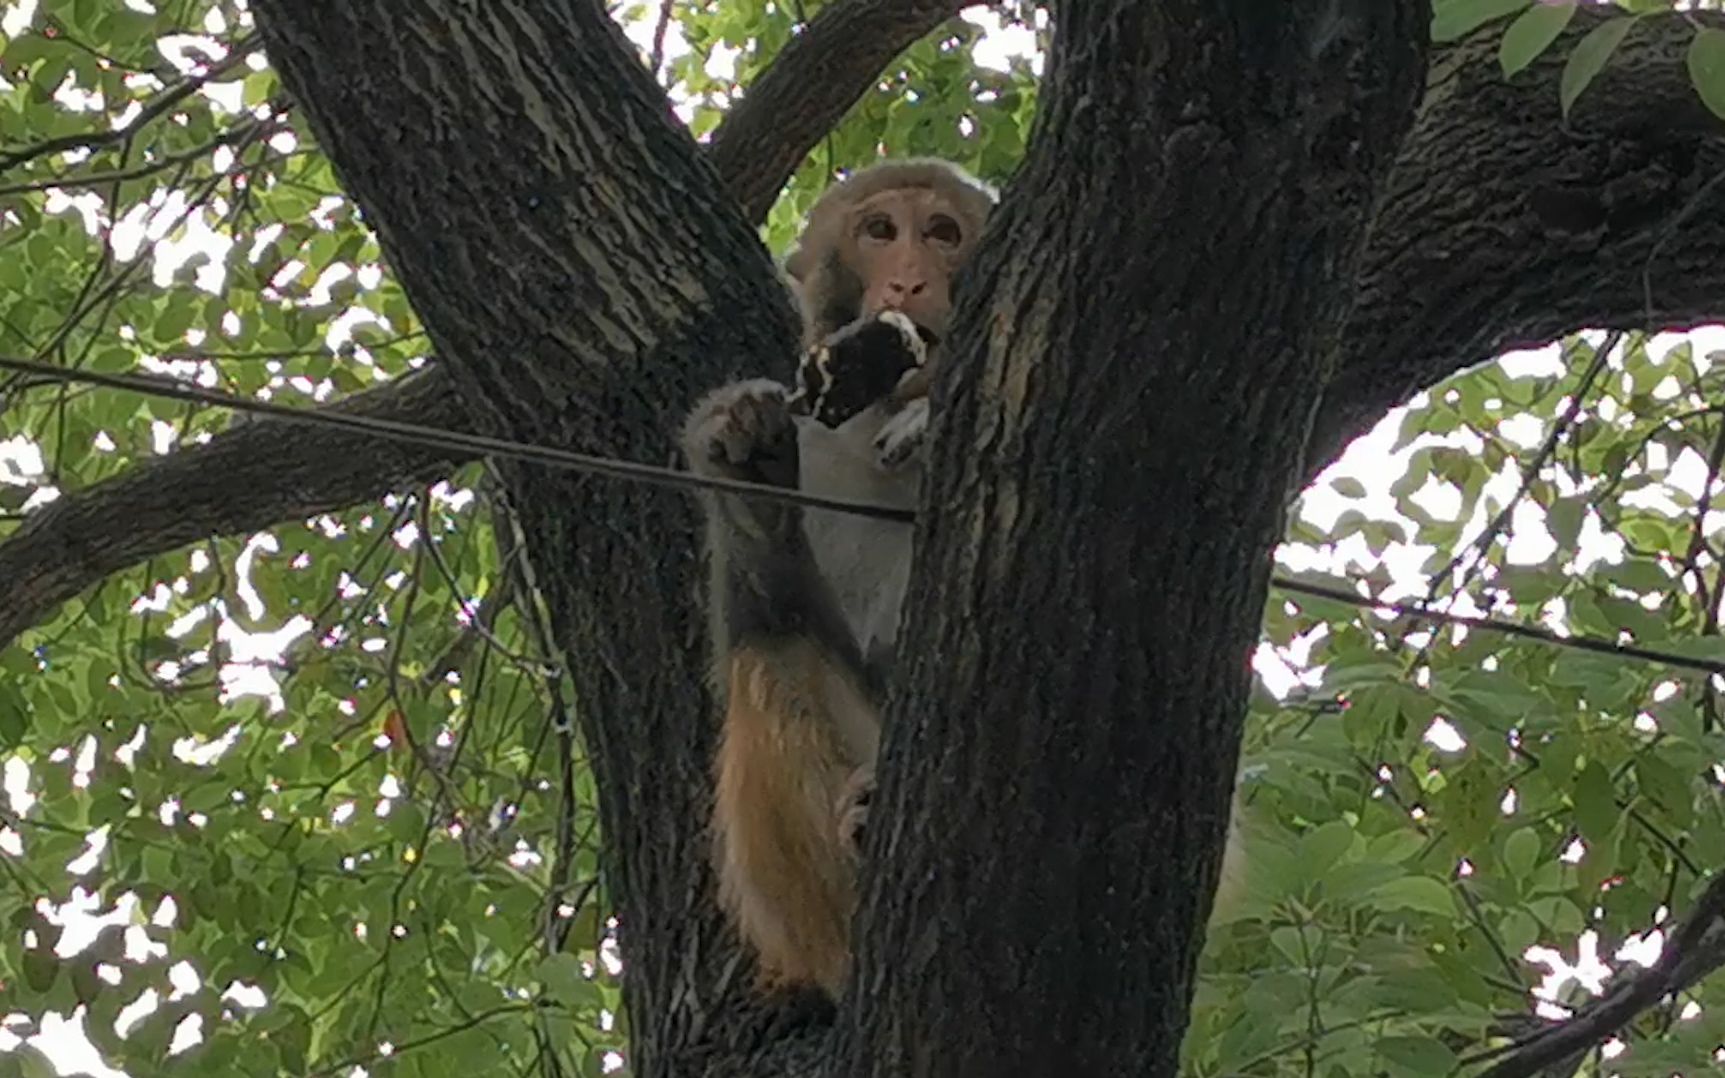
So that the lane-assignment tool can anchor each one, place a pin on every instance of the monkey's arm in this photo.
(798, 724)
(765, 583)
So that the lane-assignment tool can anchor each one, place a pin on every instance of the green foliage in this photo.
(1707, 67)
(1526, 37)
(1430, 802)
(1589, 58)
(1538, 24)
(322, 814)
(330, 822)
(1455, 19)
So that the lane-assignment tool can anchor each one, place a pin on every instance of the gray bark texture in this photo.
(1503, 226)
(1153, 323)
(1239, 235)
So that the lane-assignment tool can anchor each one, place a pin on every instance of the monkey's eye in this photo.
(880, 228)
(945, 230)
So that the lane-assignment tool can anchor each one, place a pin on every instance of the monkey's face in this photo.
(905, 245)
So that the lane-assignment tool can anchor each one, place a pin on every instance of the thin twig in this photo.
(1695, 949)
(1509, 628)
(162, 102)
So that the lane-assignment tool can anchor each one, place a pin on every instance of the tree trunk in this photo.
(1139, 357)
(583, 276)
(1114, 454)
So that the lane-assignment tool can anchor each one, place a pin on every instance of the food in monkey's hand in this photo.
(857, 366)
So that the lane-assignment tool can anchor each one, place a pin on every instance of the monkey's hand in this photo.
(853, 808)
(744, 431)
(903, 438)
(858, 365)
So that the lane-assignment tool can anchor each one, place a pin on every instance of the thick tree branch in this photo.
(809, 88)
(256, 474)
(1507, 227)
(1061, 749)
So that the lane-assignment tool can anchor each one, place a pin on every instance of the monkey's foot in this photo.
(859, 365)
(745, 431)
(853, 809)
(902, 438)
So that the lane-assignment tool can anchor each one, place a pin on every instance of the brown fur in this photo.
(786, 876)
(801, 731)
(832, 268)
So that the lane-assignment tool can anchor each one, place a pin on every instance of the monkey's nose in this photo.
(898, 291)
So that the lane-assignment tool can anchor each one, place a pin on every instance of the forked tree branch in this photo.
(261, 473)
(1505, 227)
(808, 89)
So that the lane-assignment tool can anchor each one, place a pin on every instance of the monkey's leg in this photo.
(794, 718)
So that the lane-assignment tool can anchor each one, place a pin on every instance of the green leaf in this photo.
(1518, 931)
(564, 981)
(1520, 852)
(1665, 786)
(1531, 34)
(14, 714)
(443, 853)
(1323, 847)
(1589, 58)
(40, 968)
(1457, 18)
(1418, 1055)
(33, 1064)
(1564, 519)
(1595, 802)
(1706, 63)
(1420, 893)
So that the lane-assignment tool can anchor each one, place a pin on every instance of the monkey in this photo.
(804, 603)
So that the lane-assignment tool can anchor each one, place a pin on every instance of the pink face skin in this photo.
(908, 244)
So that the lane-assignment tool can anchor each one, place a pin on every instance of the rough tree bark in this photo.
(585, 276)
(1136, 376)
(1078, 454)
(1467, 258)
(582, 274)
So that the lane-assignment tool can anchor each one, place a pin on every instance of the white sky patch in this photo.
(15, 17)
(1003, 41)
(1587, 970)
(62, 1039)
(1444, 737)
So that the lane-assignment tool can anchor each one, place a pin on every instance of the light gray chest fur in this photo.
(865, 559)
